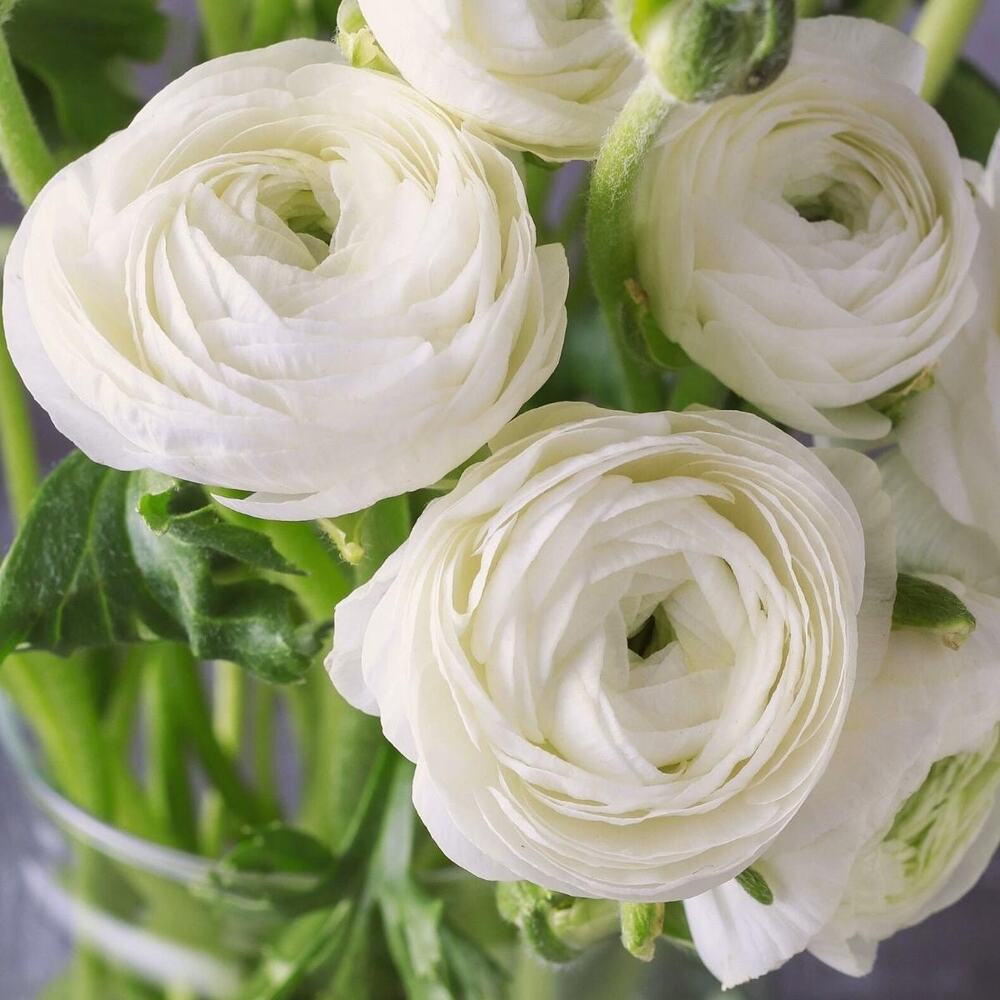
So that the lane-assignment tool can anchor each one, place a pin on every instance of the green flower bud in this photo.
(929, 606)
(701, 50)
(755, 885)
(642, 924)
(554, 926)
(357, 42)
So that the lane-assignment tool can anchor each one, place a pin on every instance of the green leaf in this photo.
(278, 869)
(970, 104)
(87, 570)
(308, 943)
(756, 886)
(433, 961)
(925, 605)
(79, 52)
(181, 510)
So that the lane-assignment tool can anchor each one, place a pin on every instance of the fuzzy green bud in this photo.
(642, 924)
(702, 50)
(555, 927)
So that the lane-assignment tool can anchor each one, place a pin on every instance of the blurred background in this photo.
(953, 954)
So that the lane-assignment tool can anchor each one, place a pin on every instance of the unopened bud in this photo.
(701, 50)
(356, 40)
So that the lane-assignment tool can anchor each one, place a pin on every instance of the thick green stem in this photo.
(611, 237)
(17, 440)
(942, 28)
(23, 153)
(695, 386)
(269, 20)
(167, 777)
(347, 741)
(886, 11)
(223, 22)
(54, 695)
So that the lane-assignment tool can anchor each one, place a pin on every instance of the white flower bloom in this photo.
(286, 276)
(810, 245)
(546, 76)
(621, 651)
(951, 433)
(904, 820)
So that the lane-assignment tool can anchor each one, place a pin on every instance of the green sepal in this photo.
(527, 906)
(642, 924)
(755, 885)
(894, 402)
(922, 604)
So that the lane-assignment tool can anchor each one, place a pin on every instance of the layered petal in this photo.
(621, 651)
(290, 277)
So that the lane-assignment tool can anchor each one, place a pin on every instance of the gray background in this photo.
(954, 954)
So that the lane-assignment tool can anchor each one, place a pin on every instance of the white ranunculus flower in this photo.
(286, 276)
(810, 245)
(546, 76)
(951, 433)
(620, 652)
(906, 818)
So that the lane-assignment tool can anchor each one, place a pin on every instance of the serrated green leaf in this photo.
(79, 51)
(86, 570)
(167, 512)
(970, 104)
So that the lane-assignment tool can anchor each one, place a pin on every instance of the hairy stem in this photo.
(611, 239)
(25, 157)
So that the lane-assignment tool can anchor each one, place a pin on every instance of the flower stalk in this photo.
(942, 28)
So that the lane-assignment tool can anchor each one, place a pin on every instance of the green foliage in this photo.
(434, 961)
(278, 869)
(79, 51)
(107, 557)
(970, 104)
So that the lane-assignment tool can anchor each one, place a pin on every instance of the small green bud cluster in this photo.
(702, 50)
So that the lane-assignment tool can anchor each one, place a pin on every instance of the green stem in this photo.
(17, 440)
(54, 695)
(228, 715)
(167, 775)
(886, 11)
(942, 29)
(326, 580)
(223, 23)
(611, 237)
(809, 8)
(695, 386)
(533, 978)
(23, 152)
(345, 737)
(219, 768)
(264, 707)
(269, 20)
